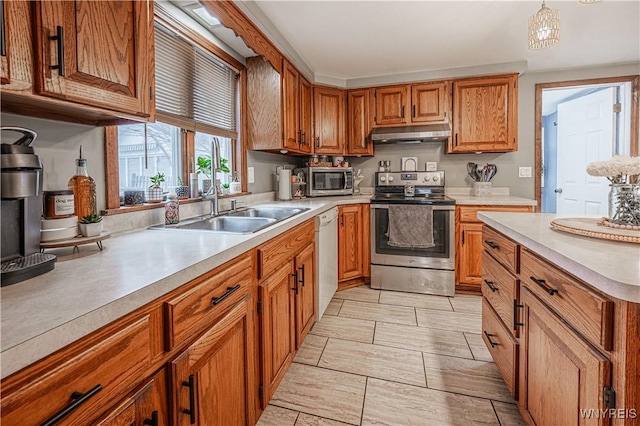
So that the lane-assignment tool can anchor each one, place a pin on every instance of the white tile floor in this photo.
(389, 358)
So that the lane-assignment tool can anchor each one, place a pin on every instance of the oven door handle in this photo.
(345, 180)
(435, 207)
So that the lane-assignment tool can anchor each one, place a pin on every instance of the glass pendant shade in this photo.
(544, 28)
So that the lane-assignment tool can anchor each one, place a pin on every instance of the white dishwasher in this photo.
(326, 259)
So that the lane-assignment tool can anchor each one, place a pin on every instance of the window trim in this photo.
(112, 184)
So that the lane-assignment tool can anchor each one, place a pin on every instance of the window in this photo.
(197, 100)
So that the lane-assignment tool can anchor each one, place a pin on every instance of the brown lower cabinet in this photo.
(353, 245)
(202, 354)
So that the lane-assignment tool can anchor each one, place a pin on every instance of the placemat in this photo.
(589, 227)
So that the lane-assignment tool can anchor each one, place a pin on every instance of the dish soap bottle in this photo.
(84, 189)
(172, 210)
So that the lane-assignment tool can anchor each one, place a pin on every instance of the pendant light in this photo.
(544, 28)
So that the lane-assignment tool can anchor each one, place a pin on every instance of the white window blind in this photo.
(194, 86)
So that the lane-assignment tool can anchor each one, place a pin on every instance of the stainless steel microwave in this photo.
(327, 181)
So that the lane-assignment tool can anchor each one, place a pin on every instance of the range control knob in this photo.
(383, 178)
(435, 178)
(427, 178)
(390, 178)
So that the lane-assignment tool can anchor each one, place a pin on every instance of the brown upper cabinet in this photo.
(296, 110)
(359, 122)
(411, 104)
(485, 115)
(329, 107)
(76, 62)
(5, 76)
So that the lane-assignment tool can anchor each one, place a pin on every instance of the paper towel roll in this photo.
(284, 184)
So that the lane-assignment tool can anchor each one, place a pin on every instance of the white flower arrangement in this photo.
(620, 169)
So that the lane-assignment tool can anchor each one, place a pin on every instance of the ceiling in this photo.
(350, 40)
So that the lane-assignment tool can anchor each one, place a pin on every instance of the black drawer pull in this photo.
(79, 399)
(230, 290)
(542, 284)
(153, 421)
(59, 38)
(3, 32)
(491, 286)
(191, 411)
(516, 324)
(491, 244)
(295, 281)
(301, 268)
(491, 342)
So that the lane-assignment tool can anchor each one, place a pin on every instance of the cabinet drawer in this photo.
(589, 312)
(282, 248)
(470, 213)
(501, 248)
(193, 311)
(102, 374)
(500, 289)
(502, 346)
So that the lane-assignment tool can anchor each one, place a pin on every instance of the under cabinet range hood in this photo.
(411, 134)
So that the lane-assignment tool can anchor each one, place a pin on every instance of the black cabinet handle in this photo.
(516, 324)
(191, 411)
(413, 111)
(301, 268)
(153, 421)
(3, 32)
(295, 281)
(59, 38)
(317, 141)
(491, 244)
(491, 286)
(491, 342)
(542, 284)
(79, 399)
(230, 290)
(402, 112)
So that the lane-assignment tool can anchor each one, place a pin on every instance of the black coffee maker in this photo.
(21, 199)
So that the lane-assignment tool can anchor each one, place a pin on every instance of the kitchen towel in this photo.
(410, 226)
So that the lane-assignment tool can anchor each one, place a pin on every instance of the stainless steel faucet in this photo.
(215, 167)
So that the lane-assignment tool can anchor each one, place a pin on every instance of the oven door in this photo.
(440, 256)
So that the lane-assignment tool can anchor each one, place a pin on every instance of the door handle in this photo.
(191, 411)
(78, 398)
(59, 39)
(295, 281)
(558, 190)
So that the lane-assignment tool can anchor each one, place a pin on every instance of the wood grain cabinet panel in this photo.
(503, 249)
(359, 123)
(212, 381)
(485, 115)
(279, 250)
(291, 106)
(305, 292)
(329, 107)
(5, 45)
(305, 116)
(502, 346)
(350, 248)
(429, 102)
(501, 290)
(562, 373)
(102, 374)
(392, 104)
(264, 105)
(114, 72)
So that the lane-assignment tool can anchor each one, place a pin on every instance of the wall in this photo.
(264, 164)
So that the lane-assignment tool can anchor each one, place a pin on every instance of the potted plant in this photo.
(182, 191)
(154, 192)
(203, 167)
(225, 188)
(91, 225)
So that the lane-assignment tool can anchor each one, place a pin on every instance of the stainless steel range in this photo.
(427, 270)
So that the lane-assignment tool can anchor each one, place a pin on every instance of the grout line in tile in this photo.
(310, 414)
(424, 368)
(469, 346)
(322, 353)
(364, 398)
(449, 300)
(453, 393)
(375, 327)
(415, 316)
(496, 413)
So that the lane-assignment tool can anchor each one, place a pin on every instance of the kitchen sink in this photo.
(244, 221)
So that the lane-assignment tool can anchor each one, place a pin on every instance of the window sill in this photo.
(151, 206)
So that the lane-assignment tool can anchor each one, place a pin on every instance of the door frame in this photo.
(634, 125)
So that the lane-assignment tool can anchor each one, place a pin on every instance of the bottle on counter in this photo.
(172, 210)
(84, 190)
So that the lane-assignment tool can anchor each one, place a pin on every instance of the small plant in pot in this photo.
(203, 167)
(154, 192)
(225, 188)
(91, 225)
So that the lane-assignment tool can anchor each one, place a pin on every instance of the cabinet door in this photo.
(5, 76)
(470, 255)
(276, 298)
(562, 374)
(329, 121)
(290, 108)
(264, 105)
(104, 57)
(350, 235)
(305, 292)
(484, 115)
(429, 102)
(306, 103)
(359, 124)
(391, 103)
(212, 380)
(148, 405)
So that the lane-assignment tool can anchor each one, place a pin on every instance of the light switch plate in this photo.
(251, 177)
(432, 166)
(524, 172)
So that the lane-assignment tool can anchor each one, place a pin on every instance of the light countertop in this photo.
(92, 288)
(609, 266)
(495, 200)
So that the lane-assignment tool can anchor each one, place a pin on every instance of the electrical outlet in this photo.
(251, 177)
(432, 166)
(524, 172)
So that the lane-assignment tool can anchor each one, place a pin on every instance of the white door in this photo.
(586, 133)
